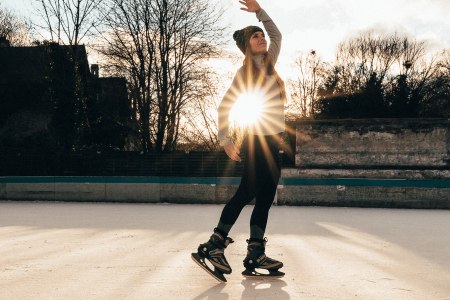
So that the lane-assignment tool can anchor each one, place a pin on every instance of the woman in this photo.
(261, 170)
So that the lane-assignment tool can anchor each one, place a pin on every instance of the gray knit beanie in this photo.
(243, 36)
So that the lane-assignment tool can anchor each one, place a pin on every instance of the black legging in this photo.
(259, 180)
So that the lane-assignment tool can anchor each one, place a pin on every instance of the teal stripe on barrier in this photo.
(189, 180)
(80, 179)
(425, 183)
(422, 183)
(88, 179)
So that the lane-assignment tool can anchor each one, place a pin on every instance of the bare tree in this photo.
(304, 88)
(14, 28)
(159, 45)
(200, 126)
(129, 42)
(429, 84)
(377, 75)
(372, 53)
(68, 21)
(440, 99)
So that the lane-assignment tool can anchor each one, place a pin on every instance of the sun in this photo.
(247, 109)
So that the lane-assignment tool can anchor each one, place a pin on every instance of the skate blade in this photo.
(201, 262)
(258, 275)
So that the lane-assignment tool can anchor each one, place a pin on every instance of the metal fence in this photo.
(192, 164)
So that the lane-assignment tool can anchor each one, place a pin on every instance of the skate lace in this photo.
(262, 258)
(216, 252)
(218, 259)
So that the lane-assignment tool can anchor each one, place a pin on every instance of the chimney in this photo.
(94, 70)
(4, 42)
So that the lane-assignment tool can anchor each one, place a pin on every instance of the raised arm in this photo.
(272, 29)
(273, 32)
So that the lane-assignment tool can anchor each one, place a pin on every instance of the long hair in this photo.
(255, 77)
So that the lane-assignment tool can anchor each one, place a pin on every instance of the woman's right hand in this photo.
(232, 151)
(250, 5)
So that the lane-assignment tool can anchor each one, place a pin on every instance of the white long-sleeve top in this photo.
(271, 120)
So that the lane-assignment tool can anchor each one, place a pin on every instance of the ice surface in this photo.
(142, 251)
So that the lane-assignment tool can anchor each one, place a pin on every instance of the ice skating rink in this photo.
(142, 251)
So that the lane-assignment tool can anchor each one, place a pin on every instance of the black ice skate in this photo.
(213, 251)
(257, 259)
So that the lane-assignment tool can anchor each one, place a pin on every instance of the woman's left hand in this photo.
(250, 5)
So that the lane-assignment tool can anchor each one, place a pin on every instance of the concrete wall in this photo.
(119, 189)
(30, 191)
(363, 196)
(374, 142)
(405, 163)
(291, 191)
(2, 190)
(368, 163)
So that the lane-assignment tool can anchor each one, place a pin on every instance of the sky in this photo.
(322, 24)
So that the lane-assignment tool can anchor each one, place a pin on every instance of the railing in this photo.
(192, 164)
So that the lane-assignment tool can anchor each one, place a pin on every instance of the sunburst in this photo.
(247, 109)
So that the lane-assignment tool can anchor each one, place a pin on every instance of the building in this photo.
(51, 100)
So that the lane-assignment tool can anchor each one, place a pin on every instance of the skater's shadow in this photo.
(213, 293)
(264, 289)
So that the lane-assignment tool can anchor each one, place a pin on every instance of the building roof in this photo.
(31, 63)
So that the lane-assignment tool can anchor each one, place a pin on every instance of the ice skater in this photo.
(261, 170)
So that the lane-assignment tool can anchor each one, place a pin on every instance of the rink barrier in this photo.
(424, 183)
(363, 192)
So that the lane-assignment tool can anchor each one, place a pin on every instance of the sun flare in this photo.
(247, 109)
